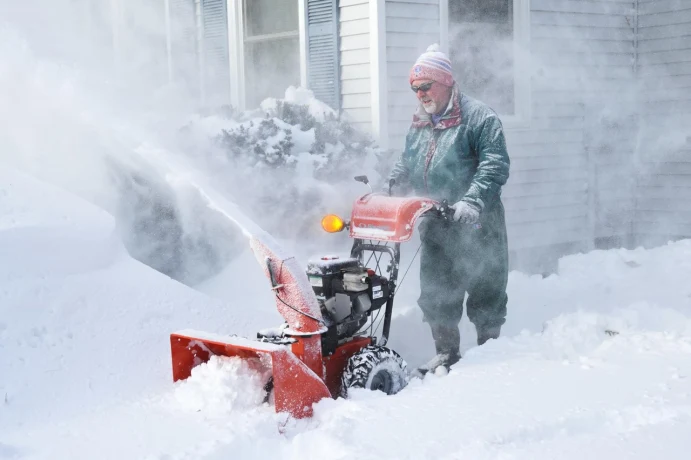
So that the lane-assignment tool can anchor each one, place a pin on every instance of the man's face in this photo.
(435, 98)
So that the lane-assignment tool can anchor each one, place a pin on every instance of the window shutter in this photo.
(183, 42)
(216, 60)
(323, 76)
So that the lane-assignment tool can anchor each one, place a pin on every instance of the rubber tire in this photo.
(375, 368)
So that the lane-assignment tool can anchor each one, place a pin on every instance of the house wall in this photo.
(356, 83)
(663, 201)
(411, 26)
(584, 57)
(569, 186)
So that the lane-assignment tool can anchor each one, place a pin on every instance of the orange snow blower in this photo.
(329, 341)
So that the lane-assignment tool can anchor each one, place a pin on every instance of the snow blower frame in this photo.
(324, 348)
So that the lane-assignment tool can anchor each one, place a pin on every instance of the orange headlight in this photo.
(332, 223)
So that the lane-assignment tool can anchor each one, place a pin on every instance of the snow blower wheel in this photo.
(375, 368)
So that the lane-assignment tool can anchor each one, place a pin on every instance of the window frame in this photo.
(238, 37)
(521, 118)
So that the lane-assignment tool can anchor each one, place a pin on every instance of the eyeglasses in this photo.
(423, 87)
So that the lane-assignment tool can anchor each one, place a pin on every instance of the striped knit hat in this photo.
(432, 65)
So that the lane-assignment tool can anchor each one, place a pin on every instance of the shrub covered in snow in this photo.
(264, 137)
(285, 163)
(288, 161)
(261, 142)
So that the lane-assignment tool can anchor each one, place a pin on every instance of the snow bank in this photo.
(81, 323)
(593, 361)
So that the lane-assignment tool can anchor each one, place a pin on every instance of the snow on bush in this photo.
(288, 161)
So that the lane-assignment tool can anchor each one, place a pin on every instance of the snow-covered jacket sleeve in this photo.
(401, 175)
(493, 162)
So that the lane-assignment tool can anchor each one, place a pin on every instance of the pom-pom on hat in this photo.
(432, 65)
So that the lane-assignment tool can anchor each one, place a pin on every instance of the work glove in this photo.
(465, 212)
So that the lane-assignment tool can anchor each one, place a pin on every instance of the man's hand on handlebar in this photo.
(465, 213)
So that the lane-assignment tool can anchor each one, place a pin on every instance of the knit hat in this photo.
(432, 65)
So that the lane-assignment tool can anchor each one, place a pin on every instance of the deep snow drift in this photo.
(86, 371)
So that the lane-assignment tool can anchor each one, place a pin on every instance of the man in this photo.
(455, 150)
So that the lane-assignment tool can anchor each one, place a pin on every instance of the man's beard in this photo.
(430, 107)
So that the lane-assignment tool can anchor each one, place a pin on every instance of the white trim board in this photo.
(444, 25)
(378, 72)
(236, 54)
(302, 31)
(521, 118)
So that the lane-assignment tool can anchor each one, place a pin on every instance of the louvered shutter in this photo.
(216, 62)
(323, 76)
(183, 43)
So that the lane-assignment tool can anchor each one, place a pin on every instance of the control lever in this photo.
(365, 181)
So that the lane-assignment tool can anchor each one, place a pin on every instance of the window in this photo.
(272, 50)
(486, 40)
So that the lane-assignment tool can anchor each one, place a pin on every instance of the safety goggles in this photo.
(423, 87)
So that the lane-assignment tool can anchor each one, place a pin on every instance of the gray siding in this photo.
(663, 201)
(411, 26)
(354, 28)
(567, 188)
(571, 172)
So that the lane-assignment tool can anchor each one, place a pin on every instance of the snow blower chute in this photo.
(330, 341)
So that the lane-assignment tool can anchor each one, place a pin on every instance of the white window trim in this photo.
(521, 119)
(269, 37)
(236, 52)
(236, 48)
(302, 31)
(378, 72)
(522, 68)
(169, 42)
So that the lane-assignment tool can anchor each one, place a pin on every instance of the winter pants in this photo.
(456, 259)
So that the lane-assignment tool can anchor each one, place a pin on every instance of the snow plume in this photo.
(85, 115)
(73, 119)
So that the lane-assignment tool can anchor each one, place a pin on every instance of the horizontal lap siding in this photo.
(583, 56)
(664, 66)
(577, 153)
(411, 26)
(356, 88)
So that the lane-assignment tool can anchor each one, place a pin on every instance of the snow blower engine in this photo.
(338, 313)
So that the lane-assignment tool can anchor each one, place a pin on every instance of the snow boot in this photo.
(486, 333)
(447, 340)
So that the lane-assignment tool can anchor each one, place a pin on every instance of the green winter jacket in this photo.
(463, 156)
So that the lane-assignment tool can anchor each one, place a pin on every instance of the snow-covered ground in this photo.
(594, 362)
(86, 368)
